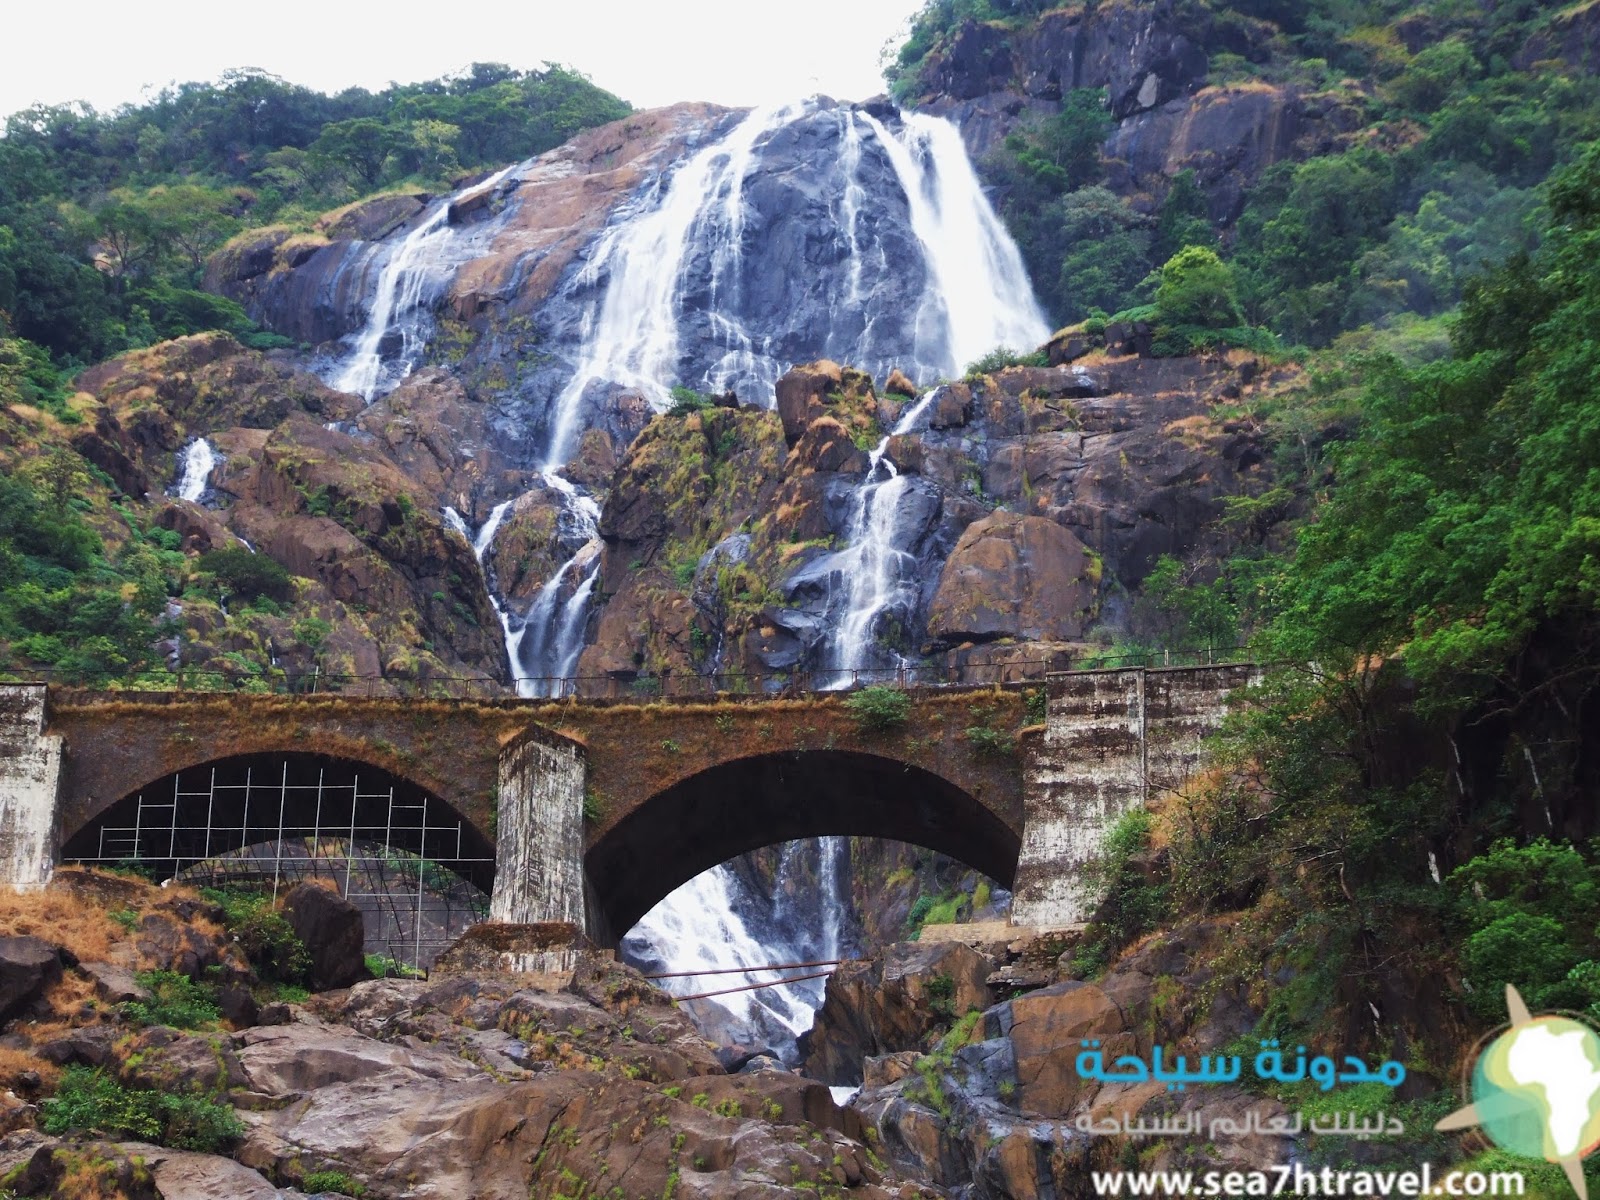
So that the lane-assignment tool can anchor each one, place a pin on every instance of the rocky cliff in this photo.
(1171, 110)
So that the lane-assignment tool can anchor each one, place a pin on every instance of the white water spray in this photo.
(411, 280)
(978, 296)
(199, 459)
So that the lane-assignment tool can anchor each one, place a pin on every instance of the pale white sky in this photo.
(734, 52)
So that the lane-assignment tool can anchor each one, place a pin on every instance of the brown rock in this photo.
(1047, 1027)
(28, 966)
(884, 1006)
(898, 385)
(1013, 576)
(802, 396)
(333, 931)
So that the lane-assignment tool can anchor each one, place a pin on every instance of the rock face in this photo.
(333, 932)
(471, 1084)
(1014, 576)
(399, 593)
(887, 1005)
(28, 965)
(1152, 59)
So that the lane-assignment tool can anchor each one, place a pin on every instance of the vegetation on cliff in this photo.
(1439, 124)
(1407, 812)
(106, 220)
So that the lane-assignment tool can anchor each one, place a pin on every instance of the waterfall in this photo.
(195, 464)
(874, 571)
(714, 922)
(803, 231)
(978, 296)
(413, 276)
(632, 336)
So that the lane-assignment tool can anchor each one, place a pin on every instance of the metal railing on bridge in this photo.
(637, 688)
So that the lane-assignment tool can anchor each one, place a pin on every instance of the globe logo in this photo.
(1536, 1090)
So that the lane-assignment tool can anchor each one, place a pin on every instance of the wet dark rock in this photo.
(333, 931)
(28, 966)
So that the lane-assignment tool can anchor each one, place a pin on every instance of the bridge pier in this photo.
(30, 780)
(538, 831)
(1113, 740)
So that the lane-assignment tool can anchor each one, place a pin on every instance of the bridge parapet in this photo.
(1113, 740)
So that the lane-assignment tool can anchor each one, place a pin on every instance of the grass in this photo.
(175, 1001)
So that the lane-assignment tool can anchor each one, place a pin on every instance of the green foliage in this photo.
(686, 400)
(1178, 612)
(1466, 509)
(1000, 358)
(90, 1101)
(1529, 915)
(175, 1001)
(333, 1181)
(1197, 288)
(154, 188)
(1132, 904)
(1036, 704)
(879, 708)
(264, 934)
(63, 604)
(240, 573)
(990, 743)
(941, 992)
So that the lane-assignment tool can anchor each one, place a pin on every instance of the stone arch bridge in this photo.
(590, 813)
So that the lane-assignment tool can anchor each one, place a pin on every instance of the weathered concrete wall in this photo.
(1086, 772)
(1113, 740)
(539, 832)
(30, 776)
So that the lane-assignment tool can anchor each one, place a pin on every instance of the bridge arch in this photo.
(206, 810)
(745, 803)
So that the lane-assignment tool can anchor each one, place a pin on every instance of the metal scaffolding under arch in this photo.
(419, 871)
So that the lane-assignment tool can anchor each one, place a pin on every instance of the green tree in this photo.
(1197, 288)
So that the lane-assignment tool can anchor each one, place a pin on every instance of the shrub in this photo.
(175, 1000)
(241, 573)
(264, 934)
(1002, 357)
(879, 708)
(990, 743)
(333, 1181)
(92, 1102)
(1197, 288)
(686, 401)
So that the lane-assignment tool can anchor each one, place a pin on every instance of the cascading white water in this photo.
(631, 339)
(712, 923)
(978, 295)
(667, 296)
(414, 273)
(873, 570)
(199, 459)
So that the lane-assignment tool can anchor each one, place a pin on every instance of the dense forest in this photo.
(106, 220)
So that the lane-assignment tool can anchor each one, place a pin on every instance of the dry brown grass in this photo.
(16, 1063)
(59, 916)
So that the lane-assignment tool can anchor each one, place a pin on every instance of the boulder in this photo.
(893, 1004)
(185, 1175)
(333, 932)
(802, 396)
(899, 385)
(28, 966)
(84, 1169)
(1014, 576)
(1045, 1028)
